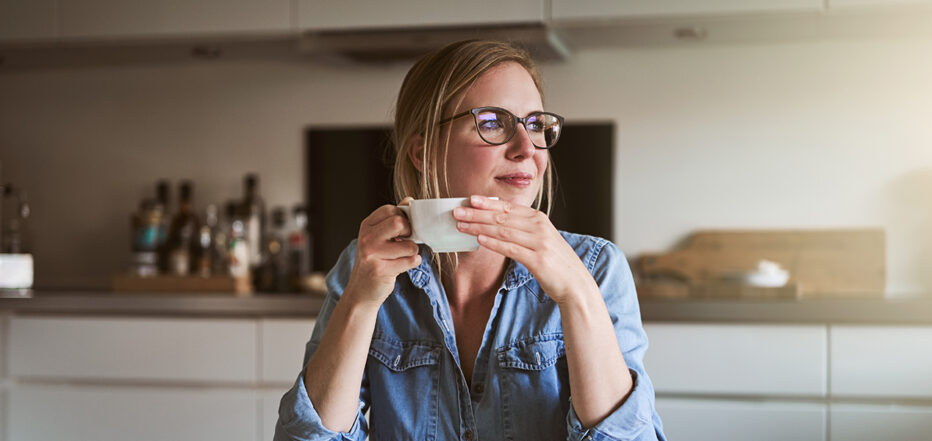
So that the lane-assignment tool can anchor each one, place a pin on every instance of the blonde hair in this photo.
(428, 90)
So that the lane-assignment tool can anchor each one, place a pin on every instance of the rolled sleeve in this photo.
(298, 420)
(630, 421)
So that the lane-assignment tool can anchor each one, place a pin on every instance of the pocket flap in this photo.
(534, 354)
(399, 356)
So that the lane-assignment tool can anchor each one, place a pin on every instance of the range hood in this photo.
(391, 45)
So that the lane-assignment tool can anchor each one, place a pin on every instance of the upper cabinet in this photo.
(329, 15)
(609, 9)
(160, 18)
(858, 3)
(27, 19)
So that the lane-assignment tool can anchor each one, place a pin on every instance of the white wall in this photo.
(801, 134)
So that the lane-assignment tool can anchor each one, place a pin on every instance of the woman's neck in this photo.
(478, 273)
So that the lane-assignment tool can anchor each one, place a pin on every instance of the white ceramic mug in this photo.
(432, 223)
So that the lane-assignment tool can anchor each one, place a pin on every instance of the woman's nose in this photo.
(520, 146)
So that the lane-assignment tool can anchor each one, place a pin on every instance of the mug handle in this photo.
(406, 209)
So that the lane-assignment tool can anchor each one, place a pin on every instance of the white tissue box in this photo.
(15, 271)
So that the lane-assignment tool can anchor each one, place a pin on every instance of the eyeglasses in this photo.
(497, 126)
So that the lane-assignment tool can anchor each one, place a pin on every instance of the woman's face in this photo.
(512, 171)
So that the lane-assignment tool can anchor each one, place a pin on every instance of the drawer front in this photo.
(863, 422)
(737, 359)
(283, 344)
(203, 350)
(872, 361)
(720, 420)
(268, 406)
(65, 413)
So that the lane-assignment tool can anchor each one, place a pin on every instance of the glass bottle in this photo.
(253, 212)
(181, 234)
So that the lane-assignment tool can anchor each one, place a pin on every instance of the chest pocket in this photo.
(403, 382)
(535, 388)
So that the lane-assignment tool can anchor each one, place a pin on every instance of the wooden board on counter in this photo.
(714, 290)
(820, 262)
(213, 285)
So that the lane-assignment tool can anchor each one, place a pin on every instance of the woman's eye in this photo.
(491, 124)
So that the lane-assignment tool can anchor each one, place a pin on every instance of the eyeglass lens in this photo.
(497, 126)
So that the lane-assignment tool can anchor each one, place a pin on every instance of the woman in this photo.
(536, 335)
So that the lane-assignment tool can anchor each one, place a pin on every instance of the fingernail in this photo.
(459, 211)
(462, 225)
(475, 199)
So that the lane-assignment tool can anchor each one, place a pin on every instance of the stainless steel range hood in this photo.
(390, 45)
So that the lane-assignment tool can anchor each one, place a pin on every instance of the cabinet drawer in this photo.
(27, 19)
(211, 350)
(153, 18)
(283, 344)
(602, 9)
(863, 422)
(718, 420)
(737, 359)
(365, 14)
(65, 413)
(881, 361)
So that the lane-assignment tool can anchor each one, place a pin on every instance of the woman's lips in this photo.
(515, 180)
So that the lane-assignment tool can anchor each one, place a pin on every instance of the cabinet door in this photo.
(283, 343)
(268, 408)
(146, 18)
(369, 14)
(737, 359)
(842, 4)
(869, 422)
(27, 19)
(718, 420)
(602, 9)
(65, 413)
(165, 350)
(881, 361)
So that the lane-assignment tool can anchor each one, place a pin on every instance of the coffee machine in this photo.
(16, 264)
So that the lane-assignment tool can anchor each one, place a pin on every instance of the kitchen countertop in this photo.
(896, 310)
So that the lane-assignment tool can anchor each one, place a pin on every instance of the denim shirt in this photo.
(414, 388)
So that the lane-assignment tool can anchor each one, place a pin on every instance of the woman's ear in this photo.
(415, 149)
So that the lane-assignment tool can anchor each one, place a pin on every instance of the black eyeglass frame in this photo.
(517, 119)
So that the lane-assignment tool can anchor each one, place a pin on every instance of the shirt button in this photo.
(479, 388)
(468, 435)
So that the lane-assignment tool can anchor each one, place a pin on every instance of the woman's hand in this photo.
(380, 255)
(527, 236)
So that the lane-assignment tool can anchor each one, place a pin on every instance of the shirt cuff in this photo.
(627, 422)
(299, 421)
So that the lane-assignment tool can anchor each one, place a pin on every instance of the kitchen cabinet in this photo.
(842, 4)
(881, 361)
(870, 422)
(27, 20)
(91, 412)
(223, 350)
(204, 378)
(164, 18)
(564, 10)
(716, 420)
(327, 15)
(738, 359)
(283, 343)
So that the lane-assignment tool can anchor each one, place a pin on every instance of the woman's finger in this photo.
(504, 233)
(506, 207)
(493, 217)
(396, 225)
(507, 249)
(379, 215)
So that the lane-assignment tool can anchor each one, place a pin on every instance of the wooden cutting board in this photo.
(820, 262)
